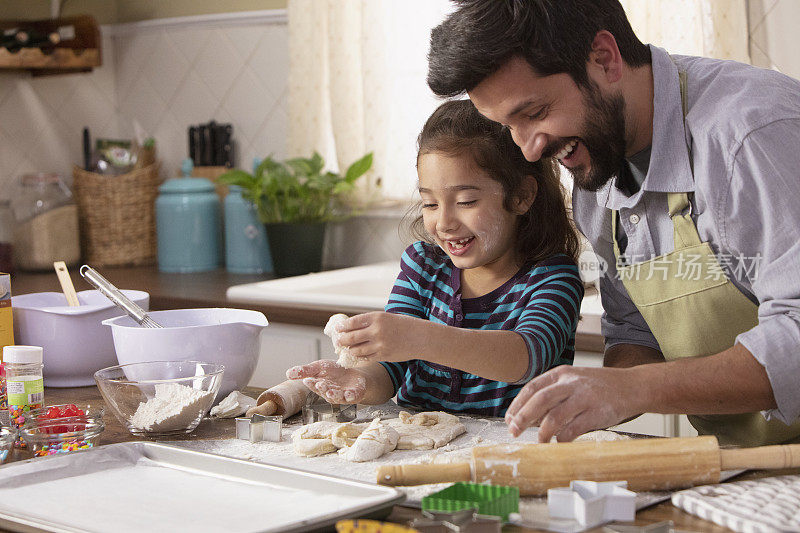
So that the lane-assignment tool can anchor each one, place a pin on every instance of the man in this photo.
(697, 164)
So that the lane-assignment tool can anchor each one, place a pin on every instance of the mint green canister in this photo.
(188, 225)
(246, 246)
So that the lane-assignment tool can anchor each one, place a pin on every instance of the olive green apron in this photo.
(694, 310)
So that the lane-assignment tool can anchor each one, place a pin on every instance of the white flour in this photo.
(174, 407)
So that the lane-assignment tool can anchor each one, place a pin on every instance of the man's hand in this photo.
(381, 336)
(569, 401)
(334, 383)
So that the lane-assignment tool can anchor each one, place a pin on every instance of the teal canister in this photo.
(246, 247)
(188, 225)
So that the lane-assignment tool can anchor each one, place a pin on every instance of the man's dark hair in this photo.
(553, 36)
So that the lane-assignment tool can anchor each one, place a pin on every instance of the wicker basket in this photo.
(117, 216)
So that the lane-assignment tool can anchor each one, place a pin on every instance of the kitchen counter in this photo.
(224, 428)
(208, 289)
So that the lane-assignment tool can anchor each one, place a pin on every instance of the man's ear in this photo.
(527, 194)
(605, 59)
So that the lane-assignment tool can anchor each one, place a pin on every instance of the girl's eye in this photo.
(471, 202)
(428, 206)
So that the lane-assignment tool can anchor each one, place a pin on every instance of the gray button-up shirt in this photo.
(743, 126)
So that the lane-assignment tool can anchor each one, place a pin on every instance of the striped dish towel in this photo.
(760, 505)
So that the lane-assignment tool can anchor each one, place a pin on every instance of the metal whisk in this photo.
(119, 299)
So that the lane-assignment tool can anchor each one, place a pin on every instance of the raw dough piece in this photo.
(314, 439)
(345, 359)
(346, 434)
(377, 439)
(233, 405)
(425, 431)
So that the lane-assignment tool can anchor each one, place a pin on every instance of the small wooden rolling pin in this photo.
(284, 399)
(646, 464)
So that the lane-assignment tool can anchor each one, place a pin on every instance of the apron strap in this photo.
(685, 232)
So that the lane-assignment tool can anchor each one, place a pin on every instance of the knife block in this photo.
(212, 173)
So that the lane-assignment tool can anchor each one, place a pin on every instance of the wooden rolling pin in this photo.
(646, 464)
(284, 399)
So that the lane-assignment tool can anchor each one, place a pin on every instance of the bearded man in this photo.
(687, 186)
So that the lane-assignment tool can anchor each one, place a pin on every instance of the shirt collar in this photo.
(669, 169)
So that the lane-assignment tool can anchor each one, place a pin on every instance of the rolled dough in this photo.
(345, 359)
(376, 440)
(427, 430)
(314, 439)
(364, 442)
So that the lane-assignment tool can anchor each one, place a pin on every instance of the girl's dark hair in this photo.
(553, 36)
(456, 128)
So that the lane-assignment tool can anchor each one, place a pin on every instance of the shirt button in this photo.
(459, 316)
(634, 218)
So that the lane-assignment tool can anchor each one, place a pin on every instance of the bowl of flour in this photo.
(160, 398)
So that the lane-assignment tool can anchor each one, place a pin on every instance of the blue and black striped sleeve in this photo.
(406, 299)
(550, 316)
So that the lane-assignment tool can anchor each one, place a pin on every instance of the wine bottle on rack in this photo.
(38, 39)
(10, 41)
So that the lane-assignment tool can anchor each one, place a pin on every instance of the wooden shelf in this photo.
(78, 54)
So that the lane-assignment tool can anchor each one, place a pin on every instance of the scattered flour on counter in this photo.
(173, 407)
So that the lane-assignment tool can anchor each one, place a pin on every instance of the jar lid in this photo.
(186, 185)
(22, 354)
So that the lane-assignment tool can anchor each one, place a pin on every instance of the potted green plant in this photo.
(295, 199)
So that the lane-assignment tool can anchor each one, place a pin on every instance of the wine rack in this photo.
(78, 52)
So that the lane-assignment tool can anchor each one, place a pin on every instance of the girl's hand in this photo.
(334, 383)
(381, 336)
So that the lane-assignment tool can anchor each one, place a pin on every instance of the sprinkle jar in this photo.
(24, 382)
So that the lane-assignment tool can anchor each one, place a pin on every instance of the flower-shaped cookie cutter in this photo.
(592, 503)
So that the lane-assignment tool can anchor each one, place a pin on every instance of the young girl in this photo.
(488, 299)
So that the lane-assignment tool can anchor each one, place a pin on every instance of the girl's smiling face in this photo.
(463, 211)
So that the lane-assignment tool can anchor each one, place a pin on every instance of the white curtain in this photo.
(357, 73)
(357, 84)
(709, 28)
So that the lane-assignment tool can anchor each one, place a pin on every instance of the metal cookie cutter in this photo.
(258, 428)
(463, 521)
(660, 527)
(316, 409)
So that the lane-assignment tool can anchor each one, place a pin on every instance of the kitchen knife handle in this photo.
(761, 457)
(406, 475)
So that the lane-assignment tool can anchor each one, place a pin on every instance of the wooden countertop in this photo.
(204, 289)
(224, 428)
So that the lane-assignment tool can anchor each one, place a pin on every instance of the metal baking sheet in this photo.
(143, 486)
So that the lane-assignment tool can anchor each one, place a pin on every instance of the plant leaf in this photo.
(237, 177)
(357, 169)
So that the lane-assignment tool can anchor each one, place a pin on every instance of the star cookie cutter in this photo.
(592, 503)
(463, 521)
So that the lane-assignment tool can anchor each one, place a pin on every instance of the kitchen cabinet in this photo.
(287, 345)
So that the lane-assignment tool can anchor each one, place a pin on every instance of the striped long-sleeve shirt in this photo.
(540, 303)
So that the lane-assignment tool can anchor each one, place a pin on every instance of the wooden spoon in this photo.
(66, 283)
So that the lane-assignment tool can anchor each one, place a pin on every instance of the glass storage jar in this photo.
(46, 222)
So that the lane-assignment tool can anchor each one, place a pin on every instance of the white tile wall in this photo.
(166, 77)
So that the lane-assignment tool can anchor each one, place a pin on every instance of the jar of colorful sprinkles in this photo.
(24, 382)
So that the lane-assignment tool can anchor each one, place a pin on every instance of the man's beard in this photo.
(604, 139)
